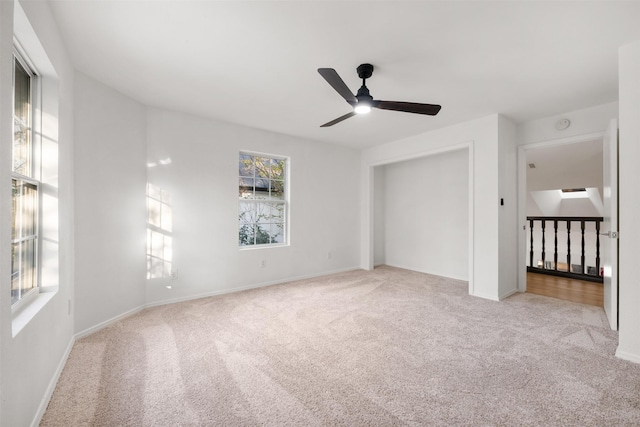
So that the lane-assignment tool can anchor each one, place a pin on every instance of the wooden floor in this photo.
(564, 288)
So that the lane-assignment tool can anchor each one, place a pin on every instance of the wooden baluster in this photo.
(543, 264)
(569, 246)
(582, 257)
(555, 244)
(531, 248)
(597, 247)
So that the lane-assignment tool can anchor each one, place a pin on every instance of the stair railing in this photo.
(585, 265)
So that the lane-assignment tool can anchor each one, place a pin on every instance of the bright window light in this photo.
(574, 193)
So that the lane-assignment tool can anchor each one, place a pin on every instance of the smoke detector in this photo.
(562, 124)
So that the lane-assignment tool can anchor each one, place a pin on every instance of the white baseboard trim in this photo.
(635, 358)
(508, 294)
(404, 267)
(133, 311)
(248, 287)
(101, 325)
(485, 296)
(44, 402)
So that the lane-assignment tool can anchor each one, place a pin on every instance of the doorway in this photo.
(545, 170)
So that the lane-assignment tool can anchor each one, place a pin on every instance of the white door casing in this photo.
(609, 228)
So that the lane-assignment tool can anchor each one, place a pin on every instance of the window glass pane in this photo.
(15, 211)
(263, 212)
(24, 228)
(277, 168)
(262, 189)
(246, 165)
(277, 190)
(263, 167)
(245, 188)
(277, 212)
(246, 236)
(277, 233)
(15, 272)
(262, 234)
(23, 268)
(21, 120)
(247, 213)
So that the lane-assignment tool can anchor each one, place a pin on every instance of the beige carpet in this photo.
(387, 347)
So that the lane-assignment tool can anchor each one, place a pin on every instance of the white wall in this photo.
(481, 136)
(583, 122)
(110, 180)
(425, 215)
(379, 220)
(508, 209)
(203, 180)
(31, 358)
(629, 202)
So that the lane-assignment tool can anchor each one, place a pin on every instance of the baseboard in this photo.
(508, 294)
(101, 325)
(404, 267)
(635, 358)
(52, 385)
(246, 288)
(485, 296)
(131, 312)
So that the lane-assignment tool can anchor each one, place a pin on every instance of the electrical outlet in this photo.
(263, 263)
(329, 255)
(174, 274)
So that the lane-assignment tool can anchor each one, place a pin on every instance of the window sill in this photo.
(254, 247)
(29, 311)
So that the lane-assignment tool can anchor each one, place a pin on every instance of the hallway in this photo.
(565, 288)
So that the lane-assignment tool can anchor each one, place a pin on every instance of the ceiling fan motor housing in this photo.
(363, 94)
(365, 71)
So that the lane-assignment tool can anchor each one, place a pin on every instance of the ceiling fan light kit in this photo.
(363, 102)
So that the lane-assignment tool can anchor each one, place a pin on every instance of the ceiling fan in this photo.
(363, 102)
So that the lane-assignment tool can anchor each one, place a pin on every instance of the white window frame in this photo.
(266, 200)
(20, 56)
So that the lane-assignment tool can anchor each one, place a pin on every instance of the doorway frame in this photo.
(522, 194)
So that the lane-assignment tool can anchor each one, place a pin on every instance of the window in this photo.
(262, 200)
(159, 228)
(25, 187)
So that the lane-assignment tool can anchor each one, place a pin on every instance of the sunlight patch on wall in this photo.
(159, 229)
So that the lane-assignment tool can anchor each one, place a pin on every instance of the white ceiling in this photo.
(566, 166)
(254, 63)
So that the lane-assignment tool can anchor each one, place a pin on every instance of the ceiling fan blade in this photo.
(408, 107)
(339, 119)
(332, 77)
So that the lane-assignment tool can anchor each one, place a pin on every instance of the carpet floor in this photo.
(384, 347)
